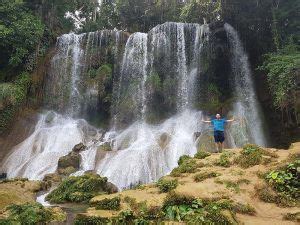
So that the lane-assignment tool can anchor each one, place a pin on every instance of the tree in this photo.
(20, 31)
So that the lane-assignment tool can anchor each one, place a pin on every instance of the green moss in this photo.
(268, 195)
(285, 180)
(165, 185)
(183, 158)
(196, 211)
(252, 155)
(203, 176)
(224, 159)
(30, 213)
(78, 189)
(108, 204)
(174, 198)
(186, 166)
(12, 96)
(202, 155)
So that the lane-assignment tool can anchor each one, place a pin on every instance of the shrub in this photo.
(174, 198)
(224, 160)
(166, 185)
(29, 213)
(195, 211)
(251, 155)
(108, 204)
(203, 176)
(286, 180)
(268, 195)
(183, 158)
(202, 155)
(187, 166)
(78, 189)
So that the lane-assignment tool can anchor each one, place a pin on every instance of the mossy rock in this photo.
(32, 213)
(80, 189)
(71, 160)
(79, 148)
(187, 166)
(201, 154)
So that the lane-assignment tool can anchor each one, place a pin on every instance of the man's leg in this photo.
(217, 146)
(221, 146)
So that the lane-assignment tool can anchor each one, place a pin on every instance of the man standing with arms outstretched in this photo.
(219, 128)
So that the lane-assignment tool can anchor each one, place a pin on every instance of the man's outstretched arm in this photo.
(231, 120)
(206, 121)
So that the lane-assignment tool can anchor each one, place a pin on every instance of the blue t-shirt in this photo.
(218, 124)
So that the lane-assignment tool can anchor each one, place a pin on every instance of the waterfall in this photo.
(247, 106)
(133, 76)
(148, 152)
(154, 73)
(56, 134)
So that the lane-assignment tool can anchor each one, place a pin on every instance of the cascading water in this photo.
(167, 57)
(55, 135)
(247, 107)
(148, 152)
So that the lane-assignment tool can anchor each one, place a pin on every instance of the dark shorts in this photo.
(219, 136)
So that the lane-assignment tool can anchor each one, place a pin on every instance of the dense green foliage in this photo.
(201, 154)
(286, 180)
(166, 185)
(205, 175)
(30, 213)
(186, 166)
(108, 204)
(78, 189)
(252, 155)
(12, 96)
(283, 72)
(20, 32)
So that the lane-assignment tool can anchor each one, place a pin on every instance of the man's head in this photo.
(218, 116)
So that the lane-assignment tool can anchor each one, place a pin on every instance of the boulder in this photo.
(111, 188)
(67, 171)
(79, 147)
(53, 178)
(164, 140)
(69, 164)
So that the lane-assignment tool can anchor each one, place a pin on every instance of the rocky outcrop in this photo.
(69, 164)
(79, 147)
